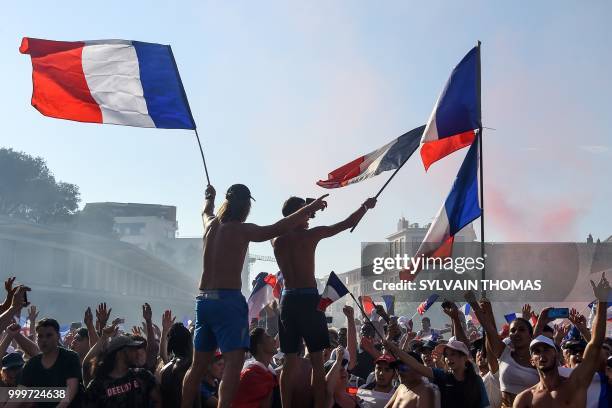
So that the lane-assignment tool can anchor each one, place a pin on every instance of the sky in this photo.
(284, 92)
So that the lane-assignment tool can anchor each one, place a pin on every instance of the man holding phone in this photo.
(299, 317)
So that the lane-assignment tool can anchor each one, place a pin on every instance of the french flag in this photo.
(456, 115)
(468, 313)
(426, 304)
(334, 290)
(462, 206)
(119, 82)
(513, 316)
(389, 157)
(262, 294)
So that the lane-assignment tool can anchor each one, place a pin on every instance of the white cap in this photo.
(455, 345)
(541, 339)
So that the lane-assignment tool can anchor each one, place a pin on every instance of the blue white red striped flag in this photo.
(461, 207)
(389, 157)
(456, 115)
(119, 82)
(334, 290)
(262, 294)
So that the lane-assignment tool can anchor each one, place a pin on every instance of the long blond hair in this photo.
(234, 210)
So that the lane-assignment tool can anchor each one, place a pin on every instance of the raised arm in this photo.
(10, 292)
(152, 346)
(91, 329)
(256, 233)
(351, 335)
(452, 312)
(107, 333)
(27, 345)
(167, 322)
(326, 231)
(484, 315)
(579, 321)
(408, 359)
(592, 354)
(17, 303)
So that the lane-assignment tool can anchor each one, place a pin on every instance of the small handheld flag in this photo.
(389, 304)
(262, 294)
(389, 157)
(368, 304)
(426, 304)
(334, 290)
(456, 115)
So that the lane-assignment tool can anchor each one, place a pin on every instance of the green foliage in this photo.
(28, 190)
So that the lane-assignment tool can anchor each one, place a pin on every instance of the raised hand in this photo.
(10, 291)
(19, 296)
(560, 331)
(167, 320)
(117, 321)
(157, 331)
(318, 204)
(526, 311)
(147, 313)
(382, 313)
(32, 313)
(210, 192)
(137, 331)
(602, 289)
(88, 317)
(339, 354)
(544, 315)
(102, 314)
(370, 203)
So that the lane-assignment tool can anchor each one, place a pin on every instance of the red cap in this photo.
(218, 354)
(386, 358)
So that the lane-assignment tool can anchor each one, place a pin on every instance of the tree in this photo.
(28, 190)
(96, 221)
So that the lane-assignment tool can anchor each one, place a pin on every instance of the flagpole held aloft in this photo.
(481, 173)
(366, 316)
(384, 186)
(202, 153)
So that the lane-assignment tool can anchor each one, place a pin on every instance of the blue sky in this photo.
(284, 92)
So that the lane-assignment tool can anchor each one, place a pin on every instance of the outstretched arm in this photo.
(256, 233)
(351, 335)
(454, 315)
(329, 231)
(585, 370)
(408, 359)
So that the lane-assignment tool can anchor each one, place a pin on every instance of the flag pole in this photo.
(384, 186)
(481, 174)
(366, 316)
(195, 128)
(202, 153)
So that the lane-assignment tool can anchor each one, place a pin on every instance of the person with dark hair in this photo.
(413, 391)
(221, 309)
(299, 317)
(80, 343)
(459, 387)
(12, 367)
(381, 388)
(515, 371)
(257, 379)
(180, 348)
(115, 384)
(55, 366)
(209, 389)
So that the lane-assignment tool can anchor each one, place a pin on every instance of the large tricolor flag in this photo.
(462, 206)
(120, 82)
(368, 304)
(262, 294)
(456, 115)
(389, 157)
(334, 290)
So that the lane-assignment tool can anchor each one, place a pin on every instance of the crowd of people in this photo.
(223, 360)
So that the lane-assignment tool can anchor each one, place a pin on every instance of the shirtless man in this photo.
(553, 390)
(221, 310)
(412, 392)
(299, 317)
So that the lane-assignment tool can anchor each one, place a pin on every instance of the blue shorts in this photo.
(222, 321)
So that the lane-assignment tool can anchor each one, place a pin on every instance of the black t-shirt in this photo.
(67, 365)
(131, 390)
(460, 394)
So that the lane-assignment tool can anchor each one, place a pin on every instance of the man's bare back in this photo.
(420, 396)
(295, 255)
